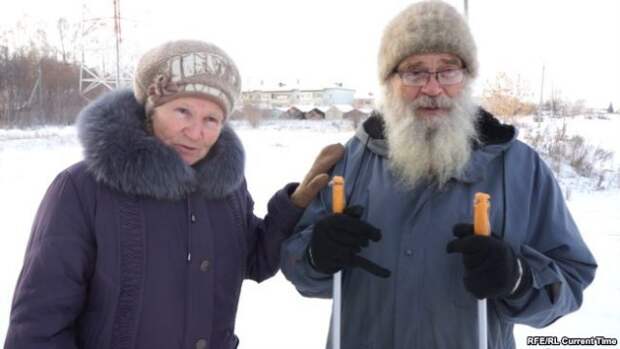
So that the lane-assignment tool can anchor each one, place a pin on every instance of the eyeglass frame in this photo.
(434, 74)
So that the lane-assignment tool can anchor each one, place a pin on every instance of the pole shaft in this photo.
(336, 309)
(338, 205)
(482, 324)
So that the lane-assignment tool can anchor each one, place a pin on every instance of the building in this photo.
(357, 116)
(336, 111)
(364, 100)
(305, 111)
(283, 97)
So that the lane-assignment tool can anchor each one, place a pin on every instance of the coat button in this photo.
(201, 344)
(193, 218)
(409, 252)
(204, 266)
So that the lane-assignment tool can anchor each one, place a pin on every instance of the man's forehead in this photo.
(424, 59)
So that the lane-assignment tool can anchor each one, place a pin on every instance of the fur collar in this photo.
(120, 153)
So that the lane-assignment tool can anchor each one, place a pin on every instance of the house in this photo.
(357, 116)
(315, 114)
(307, 112)
(293, 113)
(335, 112)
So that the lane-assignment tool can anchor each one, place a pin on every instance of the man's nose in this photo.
(432, 87)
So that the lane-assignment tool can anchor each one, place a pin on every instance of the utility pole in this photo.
(466, 9)
(4, 53)
(117, 36)
(61, 23)
(542, 86)
(37, 90)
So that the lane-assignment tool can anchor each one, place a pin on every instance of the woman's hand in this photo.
(317, 178)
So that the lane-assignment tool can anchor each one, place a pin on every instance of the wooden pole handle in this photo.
(338, 199)
(482, 204)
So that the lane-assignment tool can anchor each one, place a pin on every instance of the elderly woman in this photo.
(145, 243)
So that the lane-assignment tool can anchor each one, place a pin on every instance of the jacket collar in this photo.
(119, 152)
(494, 138)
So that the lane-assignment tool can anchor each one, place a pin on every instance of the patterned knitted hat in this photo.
(186, 68)
(426, 27)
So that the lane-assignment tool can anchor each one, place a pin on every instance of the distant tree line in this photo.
(509, 97)
(37, 88)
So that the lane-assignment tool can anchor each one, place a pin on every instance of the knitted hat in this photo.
(426, 27)
(186, 68)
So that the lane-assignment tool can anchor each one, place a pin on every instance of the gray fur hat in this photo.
(426, 27)
(186, 68)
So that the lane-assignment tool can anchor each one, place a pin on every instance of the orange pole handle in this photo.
(482, 204)
(338, 199)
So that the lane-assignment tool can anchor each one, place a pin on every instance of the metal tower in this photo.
(100, 42)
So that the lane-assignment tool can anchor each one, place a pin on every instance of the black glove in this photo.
(338, 238)
(491, 267)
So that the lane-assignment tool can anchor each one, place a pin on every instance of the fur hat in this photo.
(426, 27)
(186, 68)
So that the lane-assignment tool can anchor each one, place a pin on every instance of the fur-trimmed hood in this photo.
(119, 152)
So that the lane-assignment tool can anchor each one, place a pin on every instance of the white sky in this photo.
(328, 41)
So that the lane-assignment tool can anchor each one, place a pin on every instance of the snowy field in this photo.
(272, 314)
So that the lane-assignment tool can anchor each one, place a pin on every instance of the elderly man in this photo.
(411, 175)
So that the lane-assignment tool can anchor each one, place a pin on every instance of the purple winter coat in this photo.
(131, 248)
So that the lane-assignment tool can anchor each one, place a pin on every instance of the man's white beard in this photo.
(435, 148)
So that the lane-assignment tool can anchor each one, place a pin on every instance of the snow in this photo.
(272, 314)
(600, 131)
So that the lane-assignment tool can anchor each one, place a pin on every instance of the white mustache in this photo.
(443, 102)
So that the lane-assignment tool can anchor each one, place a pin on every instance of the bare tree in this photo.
(506, 97)
(36, 87)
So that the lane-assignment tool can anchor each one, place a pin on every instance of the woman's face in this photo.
(189, 125)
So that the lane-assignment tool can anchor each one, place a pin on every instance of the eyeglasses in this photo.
(420, 78)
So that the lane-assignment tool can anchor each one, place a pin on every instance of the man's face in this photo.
(427, 92)
(430, 119)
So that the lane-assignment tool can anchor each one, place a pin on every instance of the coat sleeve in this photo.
(562, 265)
(52, 286)
(295, 265)
(265, 236)
(294, 261)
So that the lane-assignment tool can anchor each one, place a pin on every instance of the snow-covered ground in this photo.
(272, 314)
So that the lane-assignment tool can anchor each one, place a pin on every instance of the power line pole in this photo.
(466, 9)
(542, 86)
(117, 36)
(37, 90)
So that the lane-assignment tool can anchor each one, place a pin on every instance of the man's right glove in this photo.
(492, 268)
(338, 238)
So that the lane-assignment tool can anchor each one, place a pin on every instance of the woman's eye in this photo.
(212, 121)
(183, 111)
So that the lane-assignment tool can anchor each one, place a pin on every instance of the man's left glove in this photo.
(317, 178)
(492, 269)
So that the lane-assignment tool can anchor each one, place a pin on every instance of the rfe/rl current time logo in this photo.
(554, 340)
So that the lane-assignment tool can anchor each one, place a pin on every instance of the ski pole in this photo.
(338, 203)
(482, 227)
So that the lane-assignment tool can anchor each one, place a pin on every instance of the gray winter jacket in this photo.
(424, 303)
